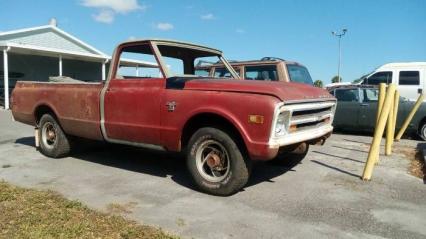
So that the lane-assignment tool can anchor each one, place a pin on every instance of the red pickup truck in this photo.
(221, 124)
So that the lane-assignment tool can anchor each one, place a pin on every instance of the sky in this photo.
(379, 31)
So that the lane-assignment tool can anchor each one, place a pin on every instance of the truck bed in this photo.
(75, 105)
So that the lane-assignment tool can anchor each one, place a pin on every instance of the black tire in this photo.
(422, 131)
(294, 156)
(226, 171)
(54, 145)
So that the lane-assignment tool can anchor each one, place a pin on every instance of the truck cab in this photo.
(265, 69)
(409, 78)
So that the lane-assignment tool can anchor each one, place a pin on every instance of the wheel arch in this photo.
(215, 120)
(42, 109)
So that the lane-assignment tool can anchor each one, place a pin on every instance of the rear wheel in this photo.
(216, 163)
(53, 141)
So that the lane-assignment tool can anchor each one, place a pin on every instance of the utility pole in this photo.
(339, 35)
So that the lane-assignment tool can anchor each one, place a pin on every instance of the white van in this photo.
(409, 78)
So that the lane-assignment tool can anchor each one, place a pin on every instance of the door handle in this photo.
(364, 104)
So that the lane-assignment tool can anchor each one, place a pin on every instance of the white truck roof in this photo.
(402, 64)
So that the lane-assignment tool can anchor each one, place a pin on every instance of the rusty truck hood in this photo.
(285, 91)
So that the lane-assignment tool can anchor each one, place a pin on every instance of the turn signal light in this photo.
(256, 119)
(293, 128)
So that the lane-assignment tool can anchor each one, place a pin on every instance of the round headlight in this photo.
(280, 127)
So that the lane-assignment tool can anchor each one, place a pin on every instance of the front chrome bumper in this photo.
(302, 136)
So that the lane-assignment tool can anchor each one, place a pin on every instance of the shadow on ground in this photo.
(161, 164)
(29, 141)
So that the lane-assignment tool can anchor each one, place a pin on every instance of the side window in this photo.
(409, 78)
(202, 72)
(222, 72)
(174, 65)
(137, 62)
(371, 95)
(347, 95)
(266, 73)
(379, 77)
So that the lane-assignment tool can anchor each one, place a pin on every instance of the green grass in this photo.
(28, 213)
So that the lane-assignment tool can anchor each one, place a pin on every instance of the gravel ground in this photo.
(321, 197)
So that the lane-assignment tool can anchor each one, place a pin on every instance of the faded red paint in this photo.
(136, 111)
(75, 105)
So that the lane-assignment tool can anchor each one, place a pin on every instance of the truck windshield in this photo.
(299, 74)
(181, 60)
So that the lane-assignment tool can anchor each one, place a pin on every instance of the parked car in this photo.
(220, 124)
(357, 107)
(266, 69)
(409, 78)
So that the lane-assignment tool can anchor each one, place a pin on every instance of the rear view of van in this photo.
(409, 77)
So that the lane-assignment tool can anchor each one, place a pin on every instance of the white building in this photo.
(36, 53)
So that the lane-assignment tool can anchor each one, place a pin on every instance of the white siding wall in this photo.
(45, 38)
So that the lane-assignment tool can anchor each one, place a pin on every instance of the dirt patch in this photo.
(417, 167)
(180, 222)
(116, 208)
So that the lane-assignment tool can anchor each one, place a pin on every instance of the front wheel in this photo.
(54, 142)
(216, 163)
(422, 131)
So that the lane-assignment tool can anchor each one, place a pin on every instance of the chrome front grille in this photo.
(309, 116)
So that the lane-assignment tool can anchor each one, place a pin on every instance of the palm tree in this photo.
(318, 83)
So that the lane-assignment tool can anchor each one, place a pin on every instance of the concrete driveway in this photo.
(320, 197)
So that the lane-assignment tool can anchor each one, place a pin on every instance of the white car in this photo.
(409, 77)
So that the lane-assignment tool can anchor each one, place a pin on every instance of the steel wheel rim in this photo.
(207, 157)
(49, 135)
(423, 132)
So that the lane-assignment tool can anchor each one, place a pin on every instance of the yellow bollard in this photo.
(395, 113)
(389, 125)
(382, 92)
(409, 117)
(381, 100)
(373, 154)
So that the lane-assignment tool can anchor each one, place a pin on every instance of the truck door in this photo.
(347, 110)
(410, 83)
(132, 98)
(368, 108)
